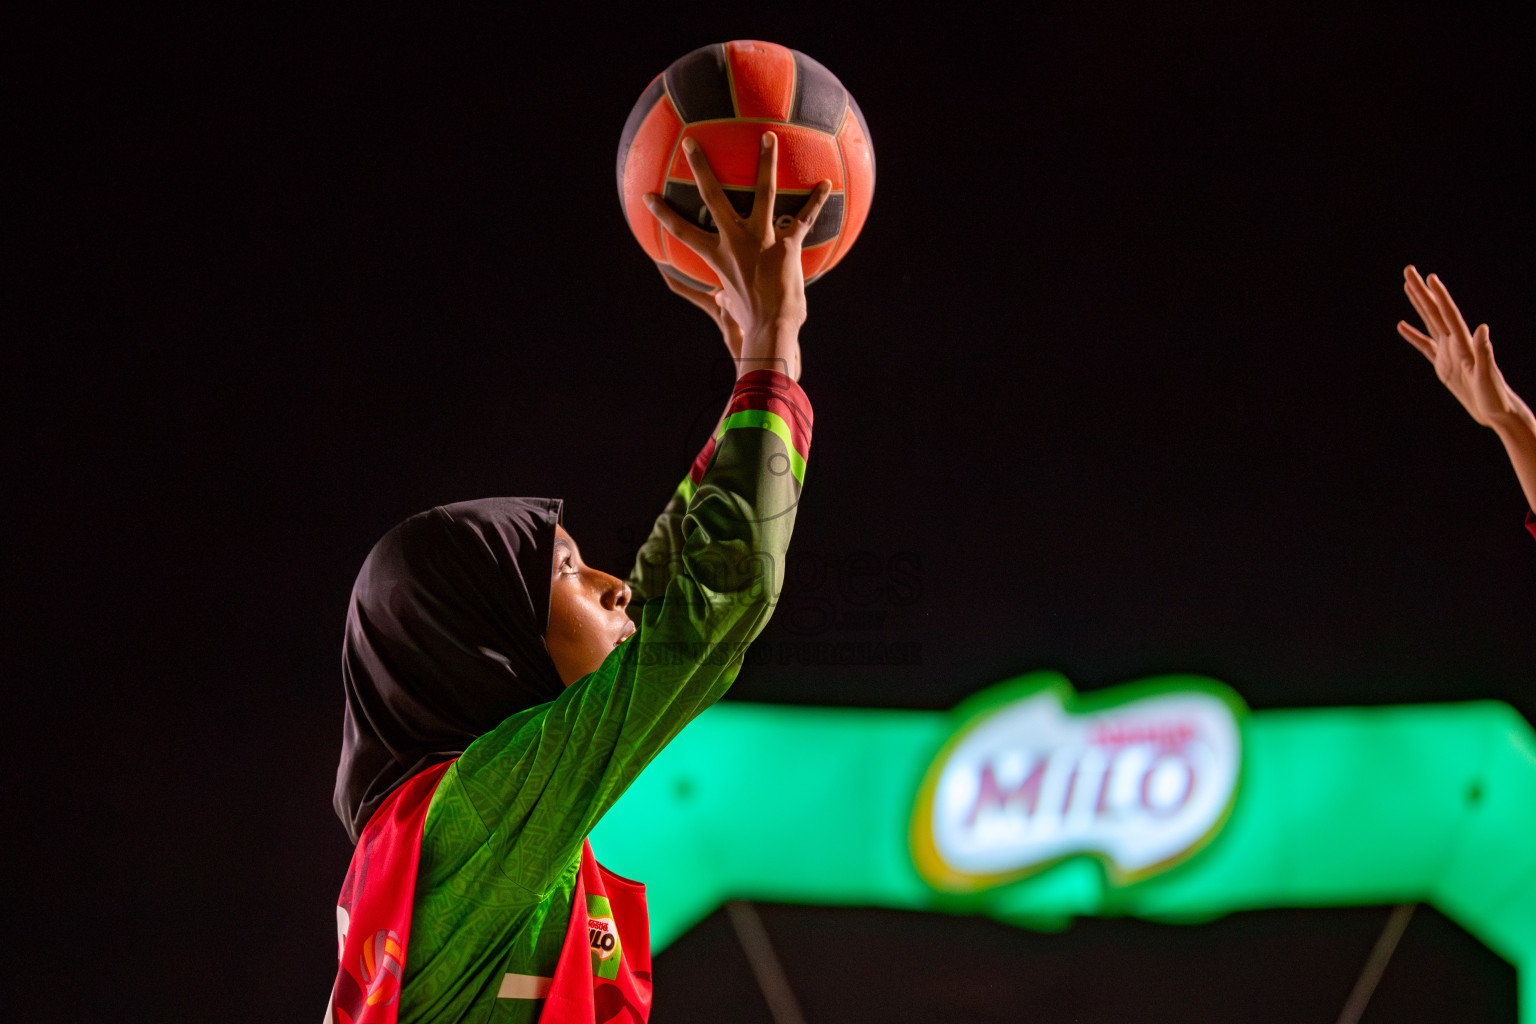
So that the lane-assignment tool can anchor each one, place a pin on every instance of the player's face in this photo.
(586, 612)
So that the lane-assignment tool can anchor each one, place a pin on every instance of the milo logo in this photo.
(1140, 777)
(603, 936)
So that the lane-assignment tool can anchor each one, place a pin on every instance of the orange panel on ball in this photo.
(859, 160)
(806, 156)
(648, 154)
(814, 261)
(686, 260)
(762, 78)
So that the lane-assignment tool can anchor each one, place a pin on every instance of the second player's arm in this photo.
(1464, 362)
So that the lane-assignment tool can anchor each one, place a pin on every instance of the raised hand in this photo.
(1463, 361)
(757, 260)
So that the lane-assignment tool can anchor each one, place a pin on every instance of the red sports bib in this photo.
(604, 973)
(373, 915)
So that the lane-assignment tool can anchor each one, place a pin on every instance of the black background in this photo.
(1113, 365)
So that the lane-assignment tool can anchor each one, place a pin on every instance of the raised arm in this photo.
(541, 780)
(1464, 362)
(738, 251)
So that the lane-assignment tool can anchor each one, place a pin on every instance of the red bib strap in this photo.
(373, 914)
(604, 973)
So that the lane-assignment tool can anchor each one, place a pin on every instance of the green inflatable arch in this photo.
(1431, 803)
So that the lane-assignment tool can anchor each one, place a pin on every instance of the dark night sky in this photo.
(1113, 361)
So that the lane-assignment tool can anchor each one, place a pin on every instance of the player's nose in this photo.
(616, 594)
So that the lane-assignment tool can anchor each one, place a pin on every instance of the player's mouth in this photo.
(629, 631)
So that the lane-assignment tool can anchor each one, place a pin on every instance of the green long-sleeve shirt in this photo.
(503, 836)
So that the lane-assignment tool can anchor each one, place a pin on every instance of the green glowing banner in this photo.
(1163, 800)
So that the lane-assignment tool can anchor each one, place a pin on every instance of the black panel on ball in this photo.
(637, 114)
(820, 98)
(678, 275)
(699, 85)
(828, 223)
(858, 115)
(684, 197)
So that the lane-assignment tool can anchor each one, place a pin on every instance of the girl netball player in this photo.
(501, 694)
(1464, 362)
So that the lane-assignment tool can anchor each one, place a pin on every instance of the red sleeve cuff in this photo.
(776, 392)
(766, 391)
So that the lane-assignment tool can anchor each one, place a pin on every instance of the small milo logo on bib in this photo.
(1140, 776)
(603, 935)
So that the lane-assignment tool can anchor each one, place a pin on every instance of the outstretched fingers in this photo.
(1417, 339)
(715, 200)
(767, 187)
(1449, 314)
(691, 235)
(806, 218)
(1423, 301)
(1456, 332)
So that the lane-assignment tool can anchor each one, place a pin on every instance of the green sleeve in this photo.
(542, 779)
(658, 559)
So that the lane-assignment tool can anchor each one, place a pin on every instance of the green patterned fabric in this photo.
(503, 837)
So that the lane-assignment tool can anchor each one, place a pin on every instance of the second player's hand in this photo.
(756, 258)
(1464, 362)
(1463, 359)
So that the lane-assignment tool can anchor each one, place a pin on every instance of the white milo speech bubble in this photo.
(1140, 780)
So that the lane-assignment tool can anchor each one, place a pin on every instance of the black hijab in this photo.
(445, 640)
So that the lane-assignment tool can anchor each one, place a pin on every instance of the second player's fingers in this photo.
(1482, 350)
(806, 219)
(1484, 368)
(1448, 311)
(691, 235)
(1417, 339)
(1423, 301)
(714, 196)
(767, 186)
